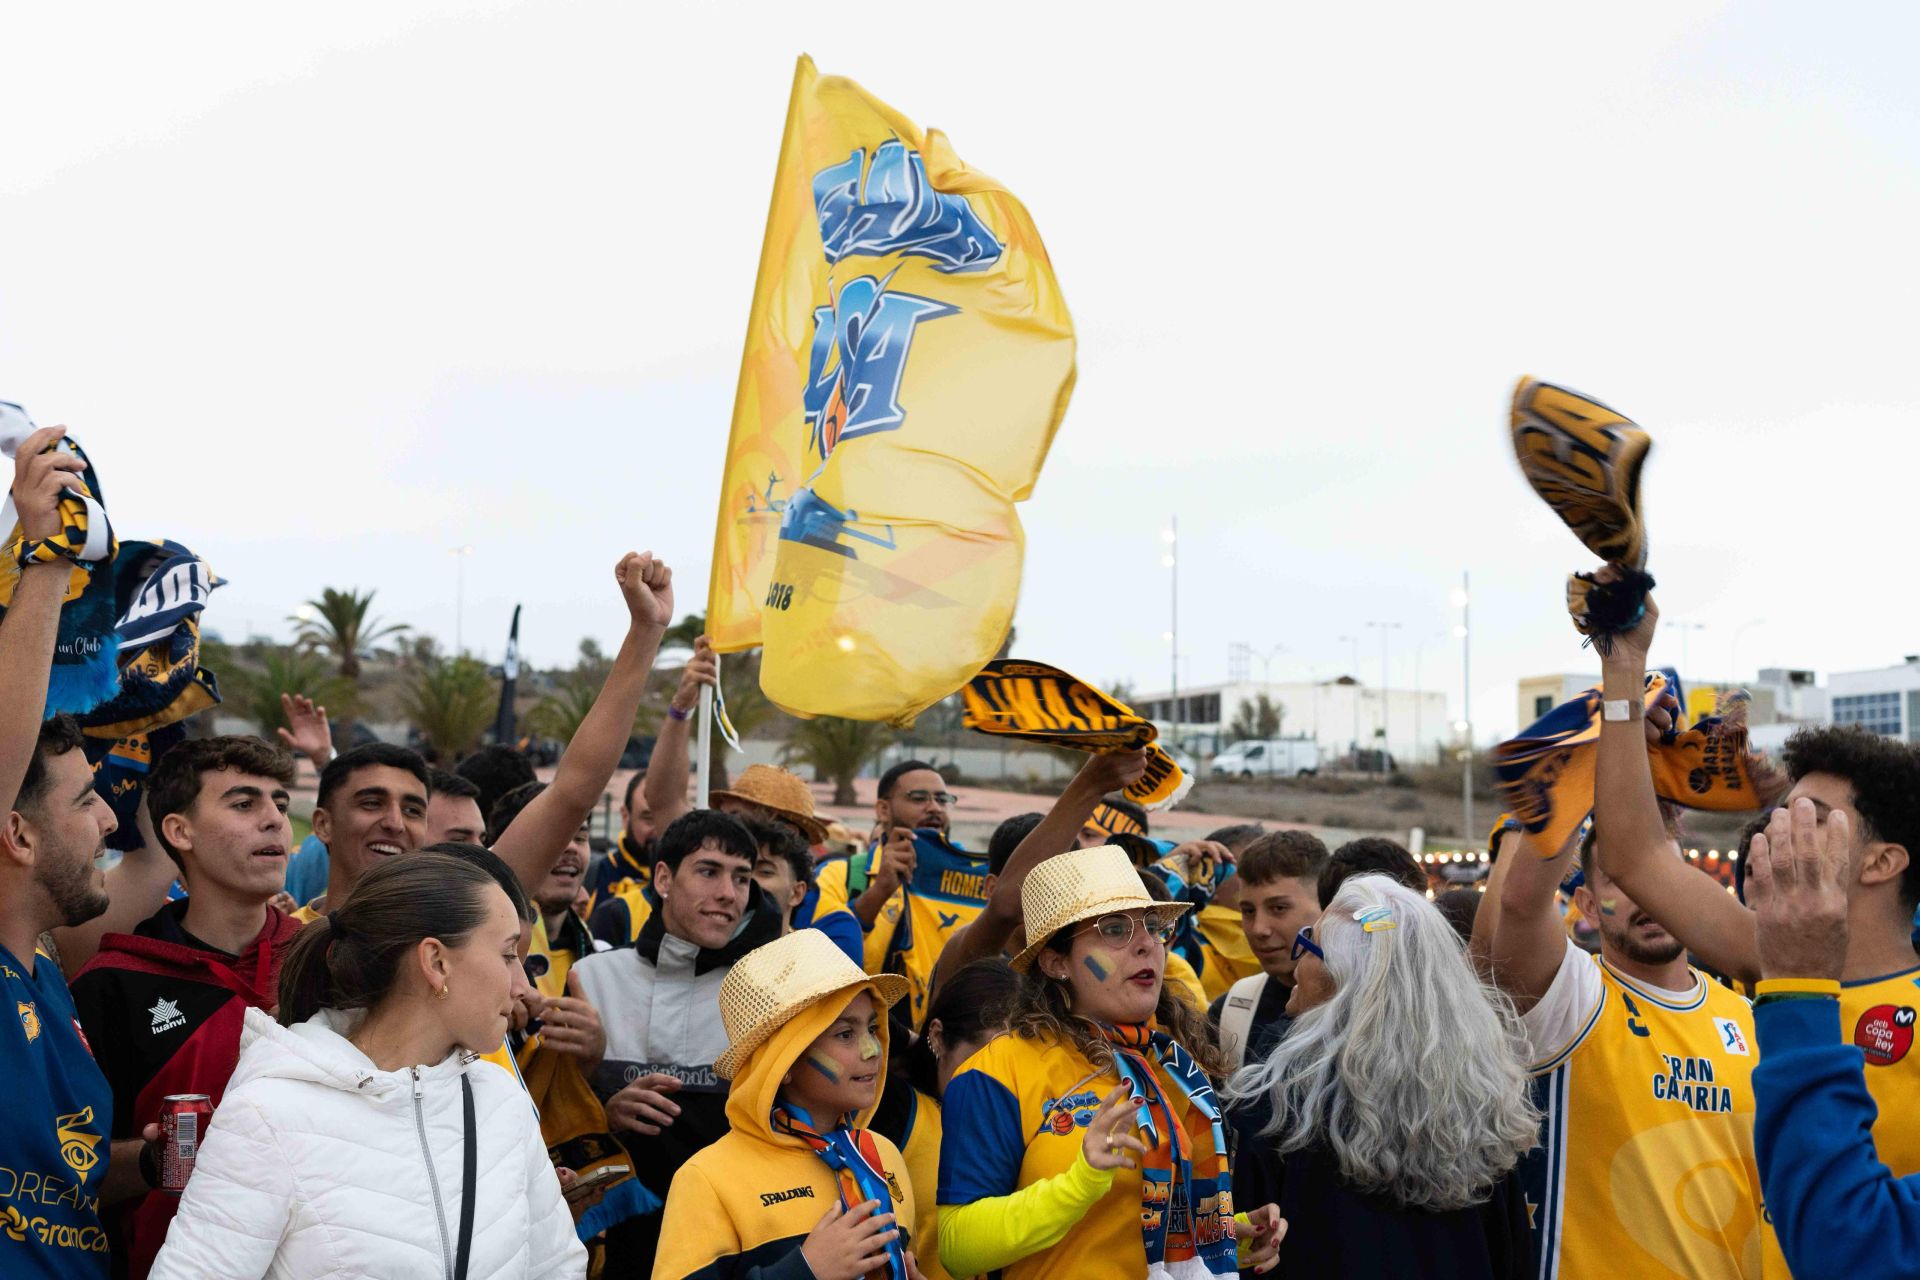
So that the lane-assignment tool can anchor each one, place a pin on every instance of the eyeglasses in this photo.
(1117, 930)
(945, 799)
(1303, 943)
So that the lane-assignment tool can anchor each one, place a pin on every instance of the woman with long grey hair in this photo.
(1400, 1099)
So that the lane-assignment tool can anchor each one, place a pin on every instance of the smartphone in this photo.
(599, 1178)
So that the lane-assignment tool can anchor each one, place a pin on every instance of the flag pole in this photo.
(703, 774)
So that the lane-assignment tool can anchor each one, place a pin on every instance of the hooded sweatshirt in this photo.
(163, 1011)
(318, 1163)
(740, 1209)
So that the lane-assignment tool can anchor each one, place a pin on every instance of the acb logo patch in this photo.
(1885, 1033)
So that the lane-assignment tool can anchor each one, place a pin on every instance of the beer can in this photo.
(183, 1125)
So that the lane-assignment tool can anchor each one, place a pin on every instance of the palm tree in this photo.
(338, 625)
(451, 702)
(286, 669)
(837, 749)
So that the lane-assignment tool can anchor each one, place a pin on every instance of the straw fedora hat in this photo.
(1071, 887)
(770, 984)
(784, 793)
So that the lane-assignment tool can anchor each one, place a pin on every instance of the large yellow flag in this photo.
(908, 360)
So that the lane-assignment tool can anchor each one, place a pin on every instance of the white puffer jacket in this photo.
(317, 1164)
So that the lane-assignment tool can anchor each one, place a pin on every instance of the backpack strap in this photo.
(1236, 1016)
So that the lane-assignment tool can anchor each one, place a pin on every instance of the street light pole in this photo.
(1733, 659)
(1386, 699)
(1171, 536)
(459, 555)
(1354, 691)
(1464, 598)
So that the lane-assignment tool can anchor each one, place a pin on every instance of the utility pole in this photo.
(1464, 599)
(1171, 536)
(1386, 750)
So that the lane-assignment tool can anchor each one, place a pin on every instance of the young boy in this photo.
(162, 1006)
(797, 1189)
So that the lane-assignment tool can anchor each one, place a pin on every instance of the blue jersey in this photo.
(53, 1137)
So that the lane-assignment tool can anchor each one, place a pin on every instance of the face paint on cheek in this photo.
(1099, 971)
(1608, 906)
(869, 1047)
(821, 1063)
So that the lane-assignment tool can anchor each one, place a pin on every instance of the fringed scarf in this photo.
(855, 1161)
(1186, 1195)
(1545, 776)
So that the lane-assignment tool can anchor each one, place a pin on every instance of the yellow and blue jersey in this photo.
(1645, 1166)
(54, 1144)
(1877, 1015)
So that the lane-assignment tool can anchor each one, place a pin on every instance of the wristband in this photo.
(1796, 987)
(675, 713)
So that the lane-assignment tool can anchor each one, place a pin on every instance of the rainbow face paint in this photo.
(824, 1065)
(1099, 971)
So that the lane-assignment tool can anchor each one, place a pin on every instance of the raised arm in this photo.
(1634, 848)
(33, 617)
(988, 932)
(535, 840)
(1486, 921)
(668, 772)
(1529, 941)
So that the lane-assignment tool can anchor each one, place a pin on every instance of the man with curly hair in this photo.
(1873, 783)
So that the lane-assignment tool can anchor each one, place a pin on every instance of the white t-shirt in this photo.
(1565, 1010)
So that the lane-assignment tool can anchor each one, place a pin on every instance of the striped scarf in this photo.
(84, 672)
(1186, 1195)
(855, 1162)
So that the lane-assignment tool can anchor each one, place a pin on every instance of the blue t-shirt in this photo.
(307, 870)
(53, 1138)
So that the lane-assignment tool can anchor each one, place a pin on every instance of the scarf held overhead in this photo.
(1034, 702)
(1545, 776)
(1584, 460)
(85, 648)
(1186, 1192)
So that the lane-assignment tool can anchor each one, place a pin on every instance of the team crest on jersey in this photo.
(29, 1019)
(1063, 1115)
(1733, 1038)
(76, 1144)
(1885, 1033)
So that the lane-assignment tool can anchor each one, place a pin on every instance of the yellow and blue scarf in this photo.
(1584, 460)
(1014, 698)
(1186, 1191)
(84, 652)
(856, 1165)
(1545, 776)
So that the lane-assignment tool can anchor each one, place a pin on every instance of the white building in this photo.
(1336, 714)
(1885, 700)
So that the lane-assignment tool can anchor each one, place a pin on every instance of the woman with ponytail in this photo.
(1089, 1141)
(360, 1134)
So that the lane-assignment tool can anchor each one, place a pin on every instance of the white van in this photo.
(1269, 758)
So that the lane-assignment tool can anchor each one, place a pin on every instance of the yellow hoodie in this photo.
(741, 1208)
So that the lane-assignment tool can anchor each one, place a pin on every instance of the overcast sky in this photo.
(329, 291)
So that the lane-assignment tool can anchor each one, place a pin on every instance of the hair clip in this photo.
(1376, 919)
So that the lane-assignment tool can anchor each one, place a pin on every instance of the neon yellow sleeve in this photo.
(990, 1234)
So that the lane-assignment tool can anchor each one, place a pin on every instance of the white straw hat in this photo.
(1074, 886)
(770, 984)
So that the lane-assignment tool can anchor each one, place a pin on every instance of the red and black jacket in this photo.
(163, 1011)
